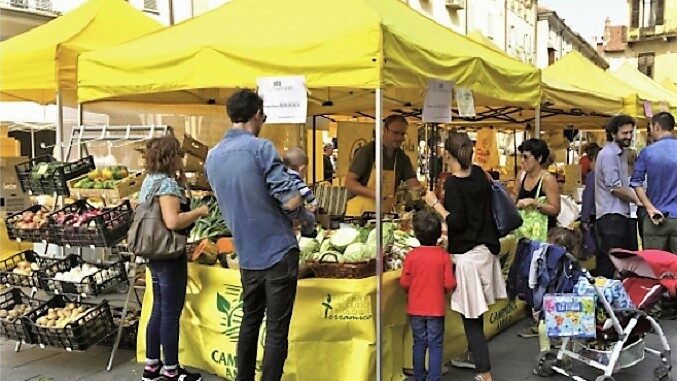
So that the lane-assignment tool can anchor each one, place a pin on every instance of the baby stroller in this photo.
(624, 331)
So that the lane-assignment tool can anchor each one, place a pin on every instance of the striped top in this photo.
(302, 187)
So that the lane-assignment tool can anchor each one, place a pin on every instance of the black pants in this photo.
(477, 343)
(271, 292)
(615, 233)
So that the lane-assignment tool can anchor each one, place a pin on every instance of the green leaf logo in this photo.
(222, 304)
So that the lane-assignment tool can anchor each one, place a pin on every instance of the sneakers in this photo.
(463, 361)
(529, 331)
(182, 375)
(152, 375)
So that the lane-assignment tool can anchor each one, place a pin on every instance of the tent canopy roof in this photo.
(645, 86)
(37, 63)
(347, 46)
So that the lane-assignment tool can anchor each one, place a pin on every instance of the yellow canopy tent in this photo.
(668, 84)
(577, 71)
(37, 63)
(646, 87)
(345, 49)
(563, 103)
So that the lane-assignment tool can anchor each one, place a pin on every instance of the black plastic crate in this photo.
(108, 277)
(104, 230)
(7, 266)
(24, 172)
(58, 182)
(129, 332)
(29, 235)
(77, 335)
(16, 329)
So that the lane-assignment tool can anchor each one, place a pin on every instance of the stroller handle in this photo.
(575, 261)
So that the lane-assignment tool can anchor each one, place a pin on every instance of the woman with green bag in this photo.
(538, 195)
(538, 201)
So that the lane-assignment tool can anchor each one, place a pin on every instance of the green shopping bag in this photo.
(534, 223)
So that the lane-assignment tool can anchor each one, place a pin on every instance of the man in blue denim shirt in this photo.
(252, 188)
(658, 164)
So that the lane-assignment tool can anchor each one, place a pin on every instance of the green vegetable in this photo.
(344, 237)
(308, 246)
(355, 252)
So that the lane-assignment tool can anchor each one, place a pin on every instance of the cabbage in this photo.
(343, 237)
(412, 242)
(321, 234)
(355, 252)
(328, 257)
(387, 234)
(308, 246)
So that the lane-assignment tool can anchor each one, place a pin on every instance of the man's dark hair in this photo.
(537, 147)
(243, 105)
(615, 123)
(390, 119)
(593, 150)
(665, 120)
(427, 227)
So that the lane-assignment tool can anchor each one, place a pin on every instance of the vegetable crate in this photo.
(130, 328)
(194, 147)
(24, 174)
(37, 234)
(14, 328)
(52, 180)
(78, 334)
(103, 277)
(104, 230)
(8, 274)
(326, 269)
(121, 188)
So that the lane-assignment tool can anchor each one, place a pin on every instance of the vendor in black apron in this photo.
(397, 167)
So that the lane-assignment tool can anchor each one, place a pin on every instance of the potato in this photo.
(81, 309)
(42, 320)
(50, 323)
(70, 306)
(13, 314)
(51, 311)
(35, 267)
(52, 316)
(3, 313)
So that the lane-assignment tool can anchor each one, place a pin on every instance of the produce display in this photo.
(102, 178)
(45, 170)
(14, 314)
(29, 219)
(80, 272)
(26, 268)
(82, 224)
(60, 317)
(77, 219)
(210, 226)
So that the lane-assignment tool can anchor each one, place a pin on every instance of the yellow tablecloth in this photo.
(332, 334)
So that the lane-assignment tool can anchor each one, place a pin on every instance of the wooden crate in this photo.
(121, 189)
(194, 147)
(193, 164)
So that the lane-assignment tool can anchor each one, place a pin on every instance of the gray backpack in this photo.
(149, 237)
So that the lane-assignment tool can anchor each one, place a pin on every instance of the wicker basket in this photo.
(325, 269)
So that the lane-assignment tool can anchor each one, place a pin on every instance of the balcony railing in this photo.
(29, 5)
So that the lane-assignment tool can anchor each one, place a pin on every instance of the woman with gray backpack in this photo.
(161, 224)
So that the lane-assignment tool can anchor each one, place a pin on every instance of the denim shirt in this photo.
(611, 172)
(251, 185)
(658, 164)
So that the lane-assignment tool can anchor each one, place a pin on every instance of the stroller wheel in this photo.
(605, 378)
(546, 361)
(662, 373)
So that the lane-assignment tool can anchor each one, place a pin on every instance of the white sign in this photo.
(465, 102)
(285, 99)
(437, 104)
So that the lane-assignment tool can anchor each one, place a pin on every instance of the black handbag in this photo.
(505, 212)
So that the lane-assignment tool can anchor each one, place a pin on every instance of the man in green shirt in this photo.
(397, 167)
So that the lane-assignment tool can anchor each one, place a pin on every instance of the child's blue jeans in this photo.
(428, 332)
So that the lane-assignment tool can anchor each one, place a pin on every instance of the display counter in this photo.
(332, 334)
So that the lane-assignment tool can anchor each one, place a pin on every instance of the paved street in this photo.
(512, 357)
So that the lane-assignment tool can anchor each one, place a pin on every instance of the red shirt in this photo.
(427, 277)
(584, 162)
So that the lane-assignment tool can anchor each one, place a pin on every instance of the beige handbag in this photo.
(149, 237)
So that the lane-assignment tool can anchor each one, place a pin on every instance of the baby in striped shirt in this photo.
(296, 161)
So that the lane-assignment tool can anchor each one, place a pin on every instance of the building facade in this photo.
(555, 39)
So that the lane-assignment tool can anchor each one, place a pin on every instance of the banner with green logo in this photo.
(333, 329)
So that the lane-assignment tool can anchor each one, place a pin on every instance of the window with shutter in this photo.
(660, 11)
(634, 14)
(645, 63)
(150, 5)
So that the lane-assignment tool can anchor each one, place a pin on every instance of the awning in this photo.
(37, 63)
(345, 49)
(646, 87)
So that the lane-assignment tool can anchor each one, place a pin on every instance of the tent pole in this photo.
(514, 144)
(537, 131)
(59, 126)
(32, 142)
(312, 148)
(80, 123)
(379, 234)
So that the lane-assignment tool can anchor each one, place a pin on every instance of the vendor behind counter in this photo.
(397, 168)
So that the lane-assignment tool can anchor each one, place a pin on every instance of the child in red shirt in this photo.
(427, 277)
